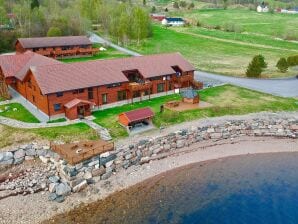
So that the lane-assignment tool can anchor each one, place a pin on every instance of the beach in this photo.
(35, 208)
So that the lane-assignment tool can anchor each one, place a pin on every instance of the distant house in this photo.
(157, 17)
(171, 21)
(262, 8)
(57, 47)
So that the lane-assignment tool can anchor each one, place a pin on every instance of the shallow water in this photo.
(244, 189)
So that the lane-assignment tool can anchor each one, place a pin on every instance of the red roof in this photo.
(38, 42)
(64, 77)
(76, 101)
(18, 65)
(139, 114)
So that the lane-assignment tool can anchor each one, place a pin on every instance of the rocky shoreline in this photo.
(57, 179)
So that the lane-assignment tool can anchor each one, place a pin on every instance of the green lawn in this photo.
(68, 133)
(57, 120)
(276, 25)
(226, 100)
(108, 54)
(211, 54)
(21, 113)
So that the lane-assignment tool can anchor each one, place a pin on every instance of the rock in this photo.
(83, 184)
(88, 176)
(104, 155)
(52, 187)
(44, 159)
(30, 152)
(54, 179)
(19, 160)
(19, 154)
(104, 160)
(108, 164)
(63, 189)
(180, 143)
(98, 172)
(60, 199)
(6, 156)
(52, 196)
(29, 157)
(106, 175)
(210, 130)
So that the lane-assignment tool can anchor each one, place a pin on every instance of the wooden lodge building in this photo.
(57, 47)
(74, 90)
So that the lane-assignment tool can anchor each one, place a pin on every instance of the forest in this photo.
(34, 18)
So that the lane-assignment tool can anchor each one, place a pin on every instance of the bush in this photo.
(182, 4)
(191, 5)
(290, 35)
(232, 27)
(176, 5)
(199, 24)
(217, 27)
(256, 66)
(282, 65)
(292, 60)
(7, 40)
(54, 32)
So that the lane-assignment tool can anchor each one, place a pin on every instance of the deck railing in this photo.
(134, 86)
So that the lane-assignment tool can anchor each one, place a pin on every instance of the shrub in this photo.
(292, 60)
(217, 27)
(182, 4)
(291, 35)
(256, 66)
(199, 24)
(54, 32)
(232, 27)
(191, 5)
(176, 5)
(282, 65)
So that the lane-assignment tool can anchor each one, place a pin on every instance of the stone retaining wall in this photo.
(74, 178)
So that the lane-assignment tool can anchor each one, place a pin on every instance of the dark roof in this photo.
(174, 19)
(139, 114)
(189, 93)
(37, 42)
(65, 77)
(18, 65)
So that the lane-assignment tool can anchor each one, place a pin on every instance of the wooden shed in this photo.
(132, 118)
(190, 96)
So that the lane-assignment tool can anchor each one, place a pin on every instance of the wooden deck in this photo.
(75, 153)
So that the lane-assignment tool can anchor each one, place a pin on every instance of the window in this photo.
(155, 78)
(121, 95)
(57, 106)
(77, 91)
(33, 99)
(136, 94)
(160, 87)
(59, 94)
(104, 98)
(29, 83)
(90, 93)
(113, 85)
(81, 90)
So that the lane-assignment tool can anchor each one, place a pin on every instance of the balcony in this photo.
(88, 50)
(135, 86)
(182, 79)
(44, 52)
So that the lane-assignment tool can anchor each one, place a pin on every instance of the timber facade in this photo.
(57, 47)
(75, 90)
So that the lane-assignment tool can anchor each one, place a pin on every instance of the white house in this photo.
(261, 8)
(169, 21)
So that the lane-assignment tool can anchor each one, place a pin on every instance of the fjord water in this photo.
(244, 189)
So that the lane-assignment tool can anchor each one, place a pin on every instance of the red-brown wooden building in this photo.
(74, 90)
(57, 47)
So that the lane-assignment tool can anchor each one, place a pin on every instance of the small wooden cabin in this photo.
(134, 117)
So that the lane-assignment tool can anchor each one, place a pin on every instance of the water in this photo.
(244, 189)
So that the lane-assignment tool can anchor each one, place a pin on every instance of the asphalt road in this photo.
(287, 87)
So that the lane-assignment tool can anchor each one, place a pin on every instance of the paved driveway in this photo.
(287, 87)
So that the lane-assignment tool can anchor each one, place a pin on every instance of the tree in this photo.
(191, 5)
(282, 65)
(225, 4)
(144, 2)
(183, 4)
(34, 4)
(256, 66)
(176, 5)
(153, 9)
(54, 32)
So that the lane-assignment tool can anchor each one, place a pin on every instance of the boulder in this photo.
(6, 158)
(63, 189)
(54, 179)
(52, 187)
(82, 185)
(30, 152)
(98, 172)
(19, 154)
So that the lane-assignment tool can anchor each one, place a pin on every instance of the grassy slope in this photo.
(227, 100)
(108, 54)
(210, 55)
(276, 24)
(22, 114)
(68, 133)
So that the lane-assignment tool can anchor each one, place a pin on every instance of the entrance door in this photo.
(81, 111)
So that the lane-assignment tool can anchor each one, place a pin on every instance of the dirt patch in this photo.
(189, 106)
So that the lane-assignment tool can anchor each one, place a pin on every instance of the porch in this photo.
(78, 109)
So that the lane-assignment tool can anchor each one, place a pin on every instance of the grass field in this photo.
(68, 133)
(21, 113)
(208, 54)
(226, 100)
(108, 54)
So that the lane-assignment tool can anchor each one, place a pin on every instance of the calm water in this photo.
(244, 189)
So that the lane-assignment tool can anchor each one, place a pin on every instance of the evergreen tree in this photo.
(256, 66)
(34, 4)
(282, 65)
